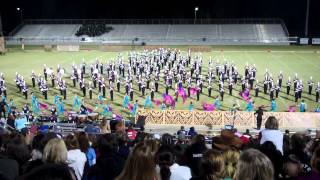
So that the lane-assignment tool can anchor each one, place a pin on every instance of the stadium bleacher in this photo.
(160, 34)
(48, 30)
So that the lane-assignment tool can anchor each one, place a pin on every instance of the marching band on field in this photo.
(145, 69)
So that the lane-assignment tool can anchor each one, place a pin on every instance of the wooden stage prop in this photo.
(242, 119)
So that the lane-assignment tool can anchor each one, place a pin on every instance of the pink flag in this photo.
(168, 100)
(208, 107)
(43, 106)
(157, 102)
(245, 95)
(292, 108)
(130, 107)
(193, 91)
(182, 93)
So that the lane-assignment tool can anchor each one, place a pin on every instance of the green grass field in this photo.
(290, 59)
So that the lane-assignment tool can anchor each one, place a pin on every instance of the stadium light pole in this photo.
(21, 15)
(307, 20)
(195, 14)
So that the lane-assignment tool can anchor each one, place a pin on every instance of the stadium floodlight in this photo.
(21, 15)
(195, 13)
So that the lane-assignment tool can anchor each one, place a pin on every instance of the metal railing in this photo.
(155, 21)
(148, 41)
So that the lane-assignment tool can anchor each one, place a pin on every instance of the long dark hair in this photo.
(72, 142)
(165, 158)
(17, 149)
(83, 142)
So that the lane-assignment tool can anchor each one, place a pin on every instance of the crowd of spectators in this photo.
(130, 154)
(93, 30)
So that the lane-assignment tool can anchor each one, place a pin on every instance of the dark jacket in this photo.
(107, 167)
(193, 156)
(9, 168)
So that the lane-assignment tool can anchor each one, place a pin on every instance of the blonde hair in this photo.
(104, 126)
(272, 123)
(254, 165)
(55, 152)
(231, 159)
(212, 165)
(153, 145)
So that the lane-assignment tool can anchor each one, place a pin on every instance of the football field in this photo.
(305, 61)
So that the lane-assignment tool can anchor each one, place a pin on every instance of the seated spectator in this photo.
(37, 146)
(11, 121)
(179, 152)
(93, 30)
(298, 145)
(141, 136)
(132, 133)
(182, 131)
(286, 143)
(247, 133)
(181, 144)
(192, 132)
(272, 133)
(194, 153)
(275, 156)
(86, 148)
(140, 165)
(231, 159)
(9, 168)
(109, 162)
(254, 165)
(168, 168)
(123, 144)
(153, 145)
(167, 139)
(76, 159)
(315, 164)
(17, 149)
(181, 138)
(312, 144)
(3, 108)
(48, 136)
(50, 171)
(55, 152)
(226, 141)
(120, 127)
(212, 166)
(27, 136)
(292, 167)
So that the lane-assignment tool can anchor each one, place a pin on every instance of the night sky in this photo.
(291, 11)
